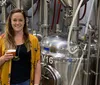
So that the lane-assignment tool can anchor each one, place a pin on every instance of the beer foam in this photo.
(11, 50)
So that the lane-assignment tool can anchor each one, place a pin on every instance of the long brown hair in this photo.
(9, 31)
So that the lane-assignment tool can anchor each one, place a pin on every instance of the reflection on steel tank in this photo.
(57, 62)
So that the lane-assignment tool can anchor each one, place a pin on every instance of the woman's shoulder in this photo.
(2, 36)
(2, 39)
(32, 37)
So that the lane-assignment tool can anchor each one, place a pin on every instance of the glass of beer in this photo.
(12, 51)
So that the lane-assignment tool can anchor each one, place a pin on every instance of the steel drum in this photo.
(58, 65)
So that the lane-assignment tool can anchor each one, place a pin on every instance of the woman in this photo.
(24, 68)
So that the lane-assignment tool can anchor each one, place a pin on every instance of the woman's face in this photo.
(17, 22)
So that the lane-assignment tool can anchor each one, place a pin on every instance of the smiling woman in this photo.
(26, 70)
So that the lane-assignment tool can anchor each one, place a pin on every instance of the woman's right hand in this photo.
(7, 56)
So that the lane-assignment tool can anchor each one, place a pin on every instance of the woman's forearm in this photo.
(37, 73)
(2, 60)
(5, 57)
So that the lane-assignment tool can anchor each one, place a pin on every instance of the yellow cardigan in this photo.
(5, 69)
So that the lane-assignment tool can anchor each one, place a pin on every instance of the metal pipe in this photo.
(91, 9)
(88, 57)
(32, 16)
(40, 14)
(45, 20)
(3, 15)
(98, 52)
(95, 11)
(76, 22)
(18, 4)
(66, 3)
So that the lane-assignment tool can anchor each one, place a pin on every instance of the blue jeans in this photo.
(27, 82)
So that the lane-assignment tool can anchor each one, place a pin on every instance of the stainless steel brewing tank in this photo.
(54, 54)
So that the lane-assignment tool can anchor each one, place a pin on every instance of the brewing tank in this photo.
(54, 53)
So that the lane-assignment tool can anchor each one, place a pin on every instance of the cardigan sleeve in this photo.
(38, 52)
(35, 48)
(0, 46)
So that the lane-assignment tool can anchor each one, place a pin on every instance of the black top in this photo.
(21, 67)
